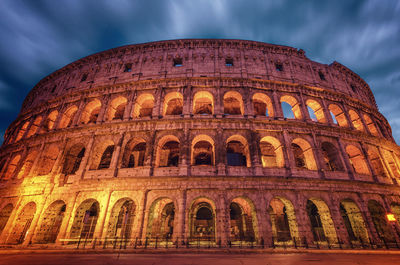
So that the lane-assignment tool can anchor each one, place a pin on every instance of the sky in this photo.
(38, 37)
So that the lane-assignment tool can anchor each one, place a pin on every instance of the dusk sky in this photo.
(39, 37)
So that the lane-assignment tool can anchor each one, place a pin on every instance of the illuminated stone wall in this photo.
(190, 139)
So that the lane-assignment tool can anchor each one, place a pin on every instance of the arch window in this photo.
(303, 155)
(321, 221)
(12, 167)
(233, 103)
(378, 216)
(202, 221)
(262, 105)
(134, 154)
(27, 166)
(331, 157)
(316, 111)
(237, 151)
(356, 120)
(34, 127)
(50, 121)
(22, 131)
(68, 117)
(161, 219)
(73, 159)
(144, 106)
(22, 224)
(116, 109)
(203, 103)
(121, 219)
(290, 107)
(85, 220)
(271, 152)
(106, 157)
(353, 220)
(283, 220)
(168, 152)
(392, 164)
(370, 124)
(357, 160)
(51, 223)
(241, 220)
(48, 158)
(376, 163)
(173, 104)
(202, 150)
(338, 115)
(394, 206)
(5, 214)
(91, 112)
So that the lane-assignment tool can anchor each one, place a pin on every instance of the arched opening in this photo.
(353, 221)
(5, 215)
(331, 157)
(51, 223)
(12, 167)
(91, 112)
(378, 216)
(357, 160)
(233, 103)
(22, 131)
(294, 107)
(283, 220)
(303, 155)
(203, 103)
(73, 159)
(68, 117)
(271, 152)
(316, 111)
(242, 221)
(106, 157)
(395, 210)
(143, 106)
(173, 104)
(85, 220)
(262, 105)
(168, 152)
(371, 126)
(388, 155)
(202, 221)
(121, 219)
(34, 127)
(321, 222)
(202, 150)
(27, 166)
(116, 109)
(22, 224)
(356, 120)
(161, 219)
(376, 163)
(47, 160)
(237, 151)
(338, 115)
(50, 121)
(134, 153)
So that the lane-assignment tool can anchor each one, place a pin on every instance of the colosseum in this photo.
(200, 142)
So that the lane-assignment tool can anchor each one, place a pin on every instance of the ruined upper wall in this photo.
(198, 58)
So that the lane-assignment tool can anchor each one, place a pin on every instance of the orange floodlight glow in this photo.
(390, 217)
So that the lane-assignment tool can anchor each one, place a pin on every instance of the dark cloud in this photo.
(38, 37)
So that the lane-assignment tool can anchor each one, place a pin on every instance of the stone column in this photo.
(277, 105)
(184, 149)
(179, 222)
(68, 218)
(255, 152)
(187, 99)
(116, 155)
(369, 163)
(104, 108)
(222, 220)
(346, 113)
(346, 159)
(303, 223)
(288, 150)
(85, 165)
(318, 156)
(327, 113)
(11, 222)
(98, 231)
(78, 113)
(303, 108)
(334, 207)
(220, 152)
(129, 106)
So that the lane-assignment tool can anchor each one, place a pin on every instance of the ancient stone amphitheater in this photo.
(200, 141)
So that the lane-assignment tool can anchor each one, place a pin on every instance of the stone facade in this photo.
(190, 140)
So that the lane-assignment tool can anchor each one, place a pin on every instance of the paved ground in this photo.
(197, 259)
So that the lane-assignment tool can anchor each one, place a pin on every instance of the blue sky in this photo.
(39, 37)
